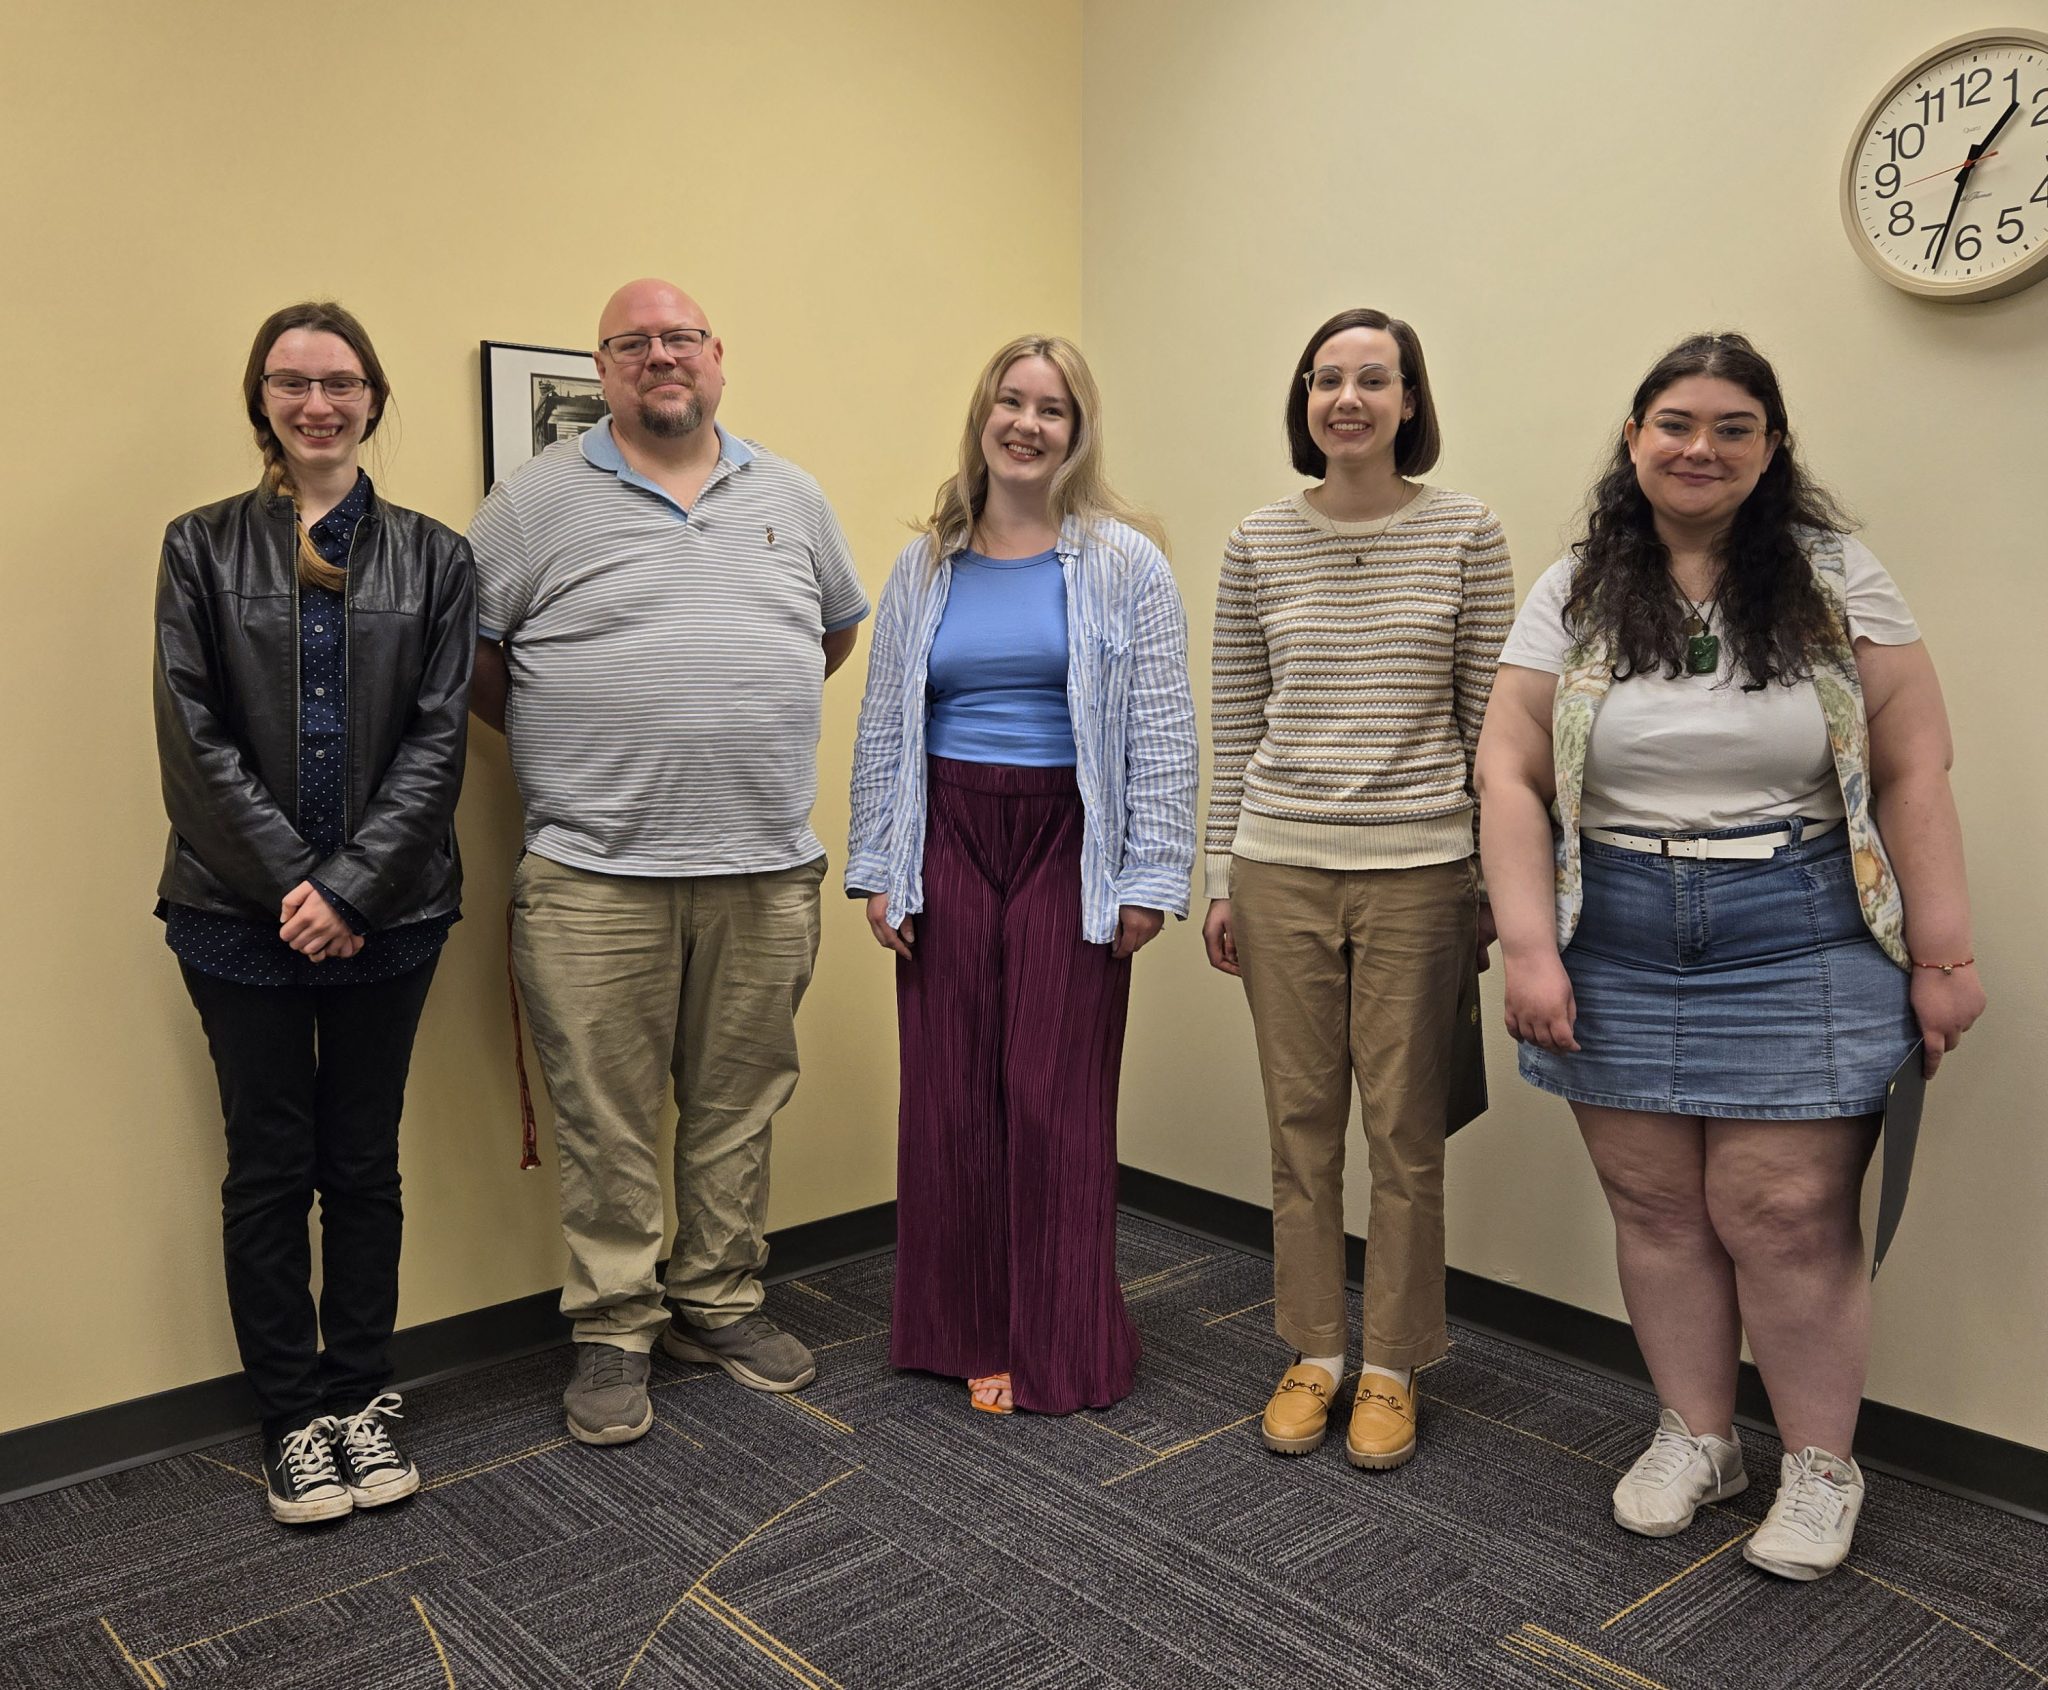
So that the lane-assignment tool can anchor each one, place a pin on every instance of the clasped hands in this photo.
(1136, 927)
(313, 927)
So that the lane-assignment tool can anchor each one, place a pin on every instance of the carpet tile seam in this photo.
(805, 1671)
(1676, 1578)
(278, 1614)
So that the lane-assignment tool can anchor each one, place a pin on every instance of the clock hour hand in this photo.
(1977, 152)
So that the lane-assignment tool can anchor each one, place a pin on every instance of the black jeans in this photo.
(312, 1081)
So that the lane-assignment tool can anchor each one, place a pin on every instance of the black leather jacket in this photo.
(227, 717)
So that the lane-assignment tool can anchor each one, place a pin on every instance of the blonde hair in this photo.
(1079, 487)
(327, 318)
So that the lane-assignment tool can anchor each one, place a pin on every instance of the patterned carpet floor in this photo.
(873, 1534)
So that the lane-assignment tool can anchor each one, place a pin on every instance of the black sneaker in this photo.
(301, 1478)
(371, 1466)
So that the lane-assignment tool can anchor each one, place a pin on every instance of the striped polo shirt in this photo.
(665, 665)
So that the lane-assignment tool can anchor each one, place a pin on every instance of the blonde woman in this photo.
(313, 649)
(1023, 822)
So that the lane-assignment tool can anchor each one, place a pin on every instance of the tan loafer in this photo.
(1382, 1430)
(1299, 1412)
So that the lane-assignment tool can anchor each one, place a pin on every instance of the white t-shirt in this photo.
(1689, 754)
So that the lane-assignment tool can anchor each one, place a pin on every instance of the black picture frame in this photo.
(533, 396)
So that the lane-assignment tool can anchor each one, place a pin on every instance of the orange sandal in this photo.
(994, 1386)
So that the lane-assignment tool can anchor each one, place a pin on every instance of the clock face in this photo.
(1945, 190)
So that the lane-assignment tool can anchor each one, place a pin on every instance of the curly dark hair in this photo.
(1772, 611)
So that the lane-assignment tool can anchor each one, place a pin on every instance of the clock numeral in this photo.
(1933, 105)
(2012, 78)
(1933, 232)
(1887, 181)
(1902, 218)
(2009, 218)
(2040, 110)
(2040, 195)
(1917, 133)
(1978, 82)
(1969, 242)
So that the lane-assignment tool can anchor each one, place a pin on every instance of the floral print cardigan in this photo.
(1589, 673)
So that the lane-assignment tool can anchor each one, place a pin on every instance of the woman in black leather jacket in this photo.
(312, 678)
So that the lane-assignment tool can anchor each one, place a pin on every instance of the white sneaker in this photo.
(1806, 1534)
(1660, 1493)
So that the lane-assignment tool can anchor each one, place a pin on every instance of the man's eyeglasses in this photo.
(339, 389)
(682, 345)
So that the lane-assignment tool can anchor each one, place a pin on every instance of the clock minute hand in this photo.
(1963, 175)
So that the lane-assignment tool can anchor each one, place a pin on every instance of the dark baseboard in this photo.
(127, 1434)
(1995, 1471)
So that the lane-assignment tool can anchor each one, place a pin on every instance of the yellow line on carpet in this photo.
(310, 1602)
(816, 1413)
(1181, 1448)
(1523, 1431)
(841, 1343)
(1587, 1661)
(1249, 1308)
(1101, 1426)
(440, 1654)
(226, 1467)
(1540, 1660)
(758, 1636)
(810, 1290)
(1976, 1636)
(143, 1670)
(483, 1467)
(677, 1431)
(1164, 1274)
(705, 1577)
(1668, 1583)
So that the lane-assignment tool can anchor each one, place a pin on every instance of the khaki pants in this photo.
(1356, 972)
(636, 987)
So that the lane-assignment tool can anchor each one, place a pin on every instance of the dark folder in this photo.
(1468, 1057)
(1904, 1094)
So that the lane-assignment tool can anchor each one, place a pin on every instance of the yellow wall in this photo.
(824, 176)
(1553, 193)
(867, 199)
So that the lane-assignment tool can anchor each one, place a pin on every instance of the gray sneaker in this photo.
(753, 1349)
(606, 1402)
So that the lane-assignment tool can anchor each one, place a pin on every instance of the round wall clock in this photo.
(1945, 189)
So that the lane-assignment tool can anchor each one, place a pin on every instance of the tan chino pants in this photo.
(1356, 973)
(637, 988)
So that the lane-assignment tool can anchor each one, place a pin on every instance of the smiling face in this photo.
(1699, 451)
(659, 395)
(1030, 429)
(317, 434)
(1357, 400)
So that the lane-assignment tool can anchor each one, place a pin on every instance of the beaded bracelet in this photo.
(1947, 968)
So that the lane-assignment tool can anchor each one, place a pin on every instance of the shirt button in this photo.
(319, 692)
(319, 627)
(319, 754)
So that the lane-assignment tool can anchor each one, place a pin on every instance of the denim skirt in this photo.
(1729, 987)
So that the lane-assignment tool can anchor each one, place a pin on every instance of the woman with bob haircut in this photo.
(1357, 624)
(1729, 878)
(1023, 820)
(313, 650)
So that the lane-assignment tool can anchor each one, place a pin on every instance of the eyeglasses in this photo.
(339, 390)
(1327, 378)
(1731, 437)
(682, 344)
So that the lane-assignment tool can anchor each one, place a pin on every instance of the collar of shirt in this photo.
(602, 451)
(333, 532)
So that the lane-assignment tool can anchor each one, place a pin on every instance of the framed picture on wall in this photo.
(533, 396)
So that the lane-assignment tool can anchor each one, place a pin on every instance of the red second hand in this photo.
(1967, 164)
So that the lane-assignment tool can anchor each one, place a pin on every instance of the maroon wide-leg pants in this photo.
(1012, 1031)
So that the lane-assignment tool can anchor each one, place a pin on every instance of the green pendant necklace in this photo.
(1702, 644)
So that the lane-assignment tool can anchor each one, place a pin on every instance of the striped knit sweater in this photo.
(1351, 668)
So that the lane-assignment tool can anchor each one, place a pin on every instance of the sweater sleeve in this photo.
(1485, 616)
(1240, 681)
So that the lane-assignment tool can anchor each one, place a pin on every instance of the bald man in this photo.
(659, 603)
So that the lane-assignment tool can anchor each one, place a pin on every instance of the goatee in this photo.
(666, 424)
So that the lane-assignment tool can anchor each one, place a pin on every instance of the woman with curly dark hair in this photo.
(1728, 877)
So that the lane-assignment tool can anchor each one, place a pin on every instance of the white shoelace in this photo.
(362, 1434)
(1810, 1502)
(1667, 1457)
(307, 1459)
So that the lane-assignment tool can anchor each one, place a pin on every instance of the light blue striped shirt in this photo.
(1133, 718)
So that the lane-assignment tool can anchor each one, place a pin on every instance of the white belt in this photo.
(1754, 845)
